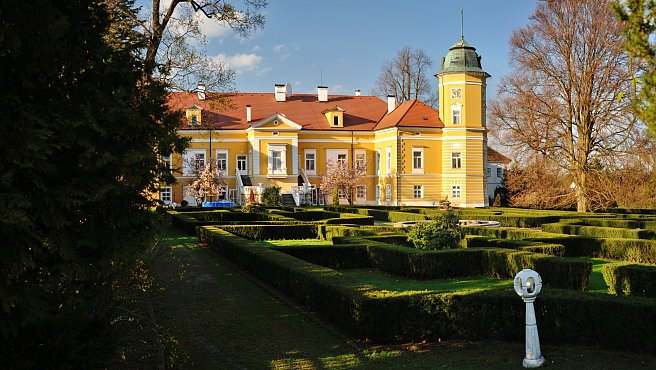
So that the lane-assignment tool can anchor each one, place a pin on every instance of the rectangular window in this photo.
(360, 159)
(499, 172)
(276, 160)
(193, 162)
(242, 164)
(165, 195)
(311, 161)
(417, 160)
(336, 120)
(388, 152)
(341, 158)
(166, 163)
(222, 160)
(455, 191)
(361, 192)
(378, 192)
(456, 160)
(388, 192)
(377, 162)
(418, 191)
(455, 115)
(489, 172)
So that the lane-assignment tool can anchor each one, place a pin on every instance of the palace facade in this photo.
(413, 154)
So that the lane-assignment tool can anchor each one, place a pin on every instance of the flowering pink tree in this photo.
(208, 183)
(343, 178)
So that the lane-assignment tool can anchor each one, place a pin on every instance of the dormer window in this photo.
(335, 116)
(194, 115)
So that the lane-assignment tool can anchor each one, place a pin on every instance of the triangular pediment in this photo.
(276, 122)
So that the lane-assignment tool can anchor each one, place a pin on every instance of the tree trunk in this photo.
(581, 191)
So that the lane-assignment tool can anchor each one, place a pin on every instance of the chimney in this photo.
(357, 92)
(201, 91)
(248, 113)
(322, 93)
(280, 92)
(391, 103)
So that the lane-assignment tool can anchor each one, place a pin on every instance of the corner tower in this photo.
(461, 89)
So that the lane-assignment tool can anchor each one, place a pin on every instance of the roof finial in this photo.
(462, 23)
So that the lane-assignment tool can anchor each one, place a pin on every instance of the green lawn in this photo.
(217, 318)
(597, 283)
(294, 242)
(385, 281)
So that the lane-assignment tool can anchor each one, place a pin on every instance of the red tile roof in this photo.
(494, 156)
(361, 113)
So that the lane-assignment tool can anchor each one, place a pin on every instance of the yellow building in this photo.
(413, 154)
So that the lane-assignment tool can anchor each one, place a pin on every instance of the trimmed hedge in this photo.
(624, 279)
(366, 312)
(473, 241)
(334, 257)
(557, 272)
(273, 232)
(598, 231)
(630, 250)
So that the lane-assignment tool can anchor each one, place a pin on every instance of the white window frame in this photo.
(222, 167)
(273, 169)
(378, 161)
(489, 172)
(388, 192)
(418, 191)
(192, 155)
(167, 162)
(335, 154)
(456, 191)
(388, 159)
(456, 160)
(243, 171)
(166, 195)
(361, 192)
(377, 193)
(312, 160)
(418, 167)
(456, 114)
(361, 159)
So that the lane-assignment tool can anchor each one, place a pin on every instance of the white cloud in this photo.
(210, 27)
(241, 62)
(285, 57)
(263, 71)
(256, 48)
(278, 48)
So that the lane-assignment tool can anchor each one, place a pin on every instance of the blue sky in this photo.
(343, 43)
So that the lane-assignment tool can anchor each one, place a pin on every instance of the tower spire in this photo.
(462, 23)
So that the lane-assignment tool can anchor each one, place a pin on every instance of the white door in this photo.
(242, 164)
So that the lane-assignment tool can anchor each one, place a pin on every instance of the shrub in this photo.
(271, 196)
(272, 232)
(497, 200)
(442, 232)
(625, 279)
(599, 231)
(252, 207)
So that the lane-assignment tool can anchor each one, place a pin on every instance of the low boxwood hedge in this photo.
(273, 232)
(334, 257)
(563, 316)
(598, 231)
(626, 279)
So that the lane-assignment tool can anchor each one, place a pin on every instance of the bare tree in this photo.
(407, 77)
(568, 96)
(176, 44)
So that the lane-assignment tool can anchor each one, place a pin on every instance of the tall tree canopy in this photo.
(407, 77)
(639, 17)
(568, 99)
(176, 42)
(82, 131)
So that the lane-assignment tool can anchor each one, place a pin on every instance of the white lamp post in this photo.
(527, 285)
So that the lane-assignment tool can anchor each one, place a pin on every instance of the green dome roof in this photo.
(462, 57)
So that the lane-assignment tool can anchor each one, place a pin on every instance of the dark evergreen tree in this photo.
(82, 127)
